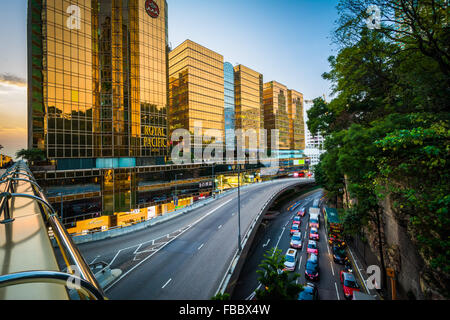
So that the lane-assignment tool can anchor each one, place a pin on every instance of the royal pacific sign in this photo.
(154, 137)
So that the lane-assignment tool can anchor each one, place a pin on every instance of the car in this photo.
(349, 284)
(314, 234)
(301, 212)
(295, 228)
(312, 267)
(312, 247)
(296, 240)
(309, 292)
(339, 254)
(291, 259)
(297, 220)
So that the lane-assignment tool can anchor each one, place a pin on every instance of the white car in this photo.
(291, 260)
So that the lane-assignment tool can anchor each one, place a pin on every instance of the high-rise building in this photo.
(296, 122)
(248, 88)
(276, 112)
(196, 89)
(97, 91)
(229, 106)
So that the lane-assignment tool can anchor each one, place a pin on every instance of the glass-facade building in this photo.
(196, 89)
(296, 120)
(97, 91)
(229, 105)
(248, 89)
(276, 112)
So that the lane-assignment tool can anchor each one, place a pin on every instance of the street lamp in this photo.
(176, 193)
(61, 213)
(239, 208)
(213, 179)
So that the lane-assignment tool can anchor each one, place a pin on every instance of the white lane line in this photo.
(159, 249)
(337, 291)
(201, 246)
(94, 259)
(276, 246)
(332, 269)
(328, 248)
(359, 270)
(166, 283)
(265, 245)
(219, 227)
(300, 263)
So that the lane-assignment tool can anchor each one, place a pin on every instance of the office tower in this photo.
(248, 88)
(276, 112)
(229, 105)
(97, 91)
(196, 89)
(296, 123)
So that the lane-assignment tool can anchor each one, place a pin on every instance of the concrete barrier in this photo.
(117, 232)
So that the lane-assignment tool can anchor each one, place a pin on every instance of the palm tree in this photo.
(276, 284)
(31, 154)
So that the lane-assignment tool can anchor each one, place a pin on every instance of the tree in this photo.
(387, 127)
(276, 284)
(31, 154)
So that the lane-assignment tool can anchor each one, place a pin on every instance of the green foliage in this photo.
(387, 128)
(221, 297)
(31, 154)
(276, 284)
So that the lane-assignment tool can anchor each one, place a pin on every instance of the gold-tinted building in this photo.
(97, 92)
(276, 112)
(296, 120)
(196, 88)
(248, 87)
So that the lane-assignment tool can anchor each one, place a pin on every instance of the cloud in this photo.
(7, 78)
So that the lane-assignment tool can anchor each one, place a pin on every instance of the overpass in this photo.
(29, 262)
(192, 256)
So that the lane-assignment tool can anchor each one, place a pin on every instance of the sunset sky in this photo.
(286, 40)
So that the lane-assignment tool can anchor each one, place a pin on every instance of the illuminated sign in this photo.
(152, 8)
(154, 137)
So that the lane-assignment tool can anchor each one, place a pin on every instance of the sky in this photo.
(286, 40)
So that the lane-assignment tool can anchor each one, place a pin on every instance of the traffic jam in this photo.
(307, 246)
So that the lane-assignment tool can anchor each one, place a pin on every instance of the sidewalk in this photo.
(360, 264)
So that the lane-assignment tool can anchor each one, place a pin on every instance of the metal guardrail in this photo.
(234, 261)
(69, 251)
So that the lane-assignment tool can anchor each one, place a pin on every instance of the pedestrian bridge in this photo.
(28, 259)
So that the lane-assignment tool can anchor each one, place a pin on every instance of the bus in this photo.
(333, 225)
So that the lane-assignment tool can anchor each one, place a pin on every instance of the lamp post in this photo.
(213, 180)
(61, 213)
(175, 202)
(239, 208)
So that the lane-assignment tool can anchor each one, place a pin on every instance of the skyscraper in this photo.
(276, 112)
(196, 88)
(248, 88)
(229, 106)
(296, 121)
(97, 92)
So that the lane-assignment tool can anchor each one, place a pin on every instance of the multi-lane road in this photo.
(277, 234)
(184, 258)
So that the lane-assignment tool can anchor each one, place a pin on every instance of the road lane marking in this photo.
(201, 246)
(276, 246)
(166, 283)
(337, 291)
(159, 249)
(219, 227)
(300, 263)
(265, 245)
(332, 269)
(94, 259)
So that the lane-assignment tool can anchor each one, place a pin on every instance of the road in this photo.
(191, 261)
(276, 234)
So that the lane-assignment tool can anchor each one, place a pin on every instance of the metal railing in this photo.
(70, 253)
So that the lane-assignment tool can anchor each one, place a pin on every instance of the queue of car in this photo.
(310, 291)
